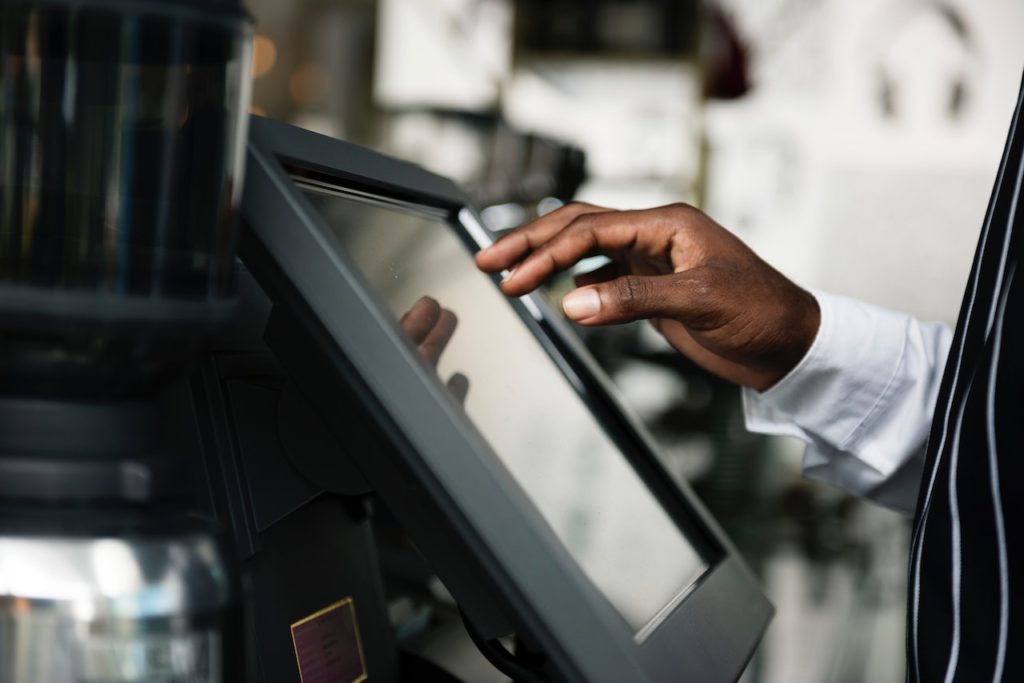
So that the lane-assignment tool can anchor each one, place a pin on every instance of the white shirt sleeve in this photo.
(861, 399)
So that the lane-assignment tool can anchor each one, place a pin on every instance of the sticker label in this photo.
(328, 647)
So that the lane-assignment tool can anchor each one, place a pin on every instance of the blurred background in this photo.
(853, 143)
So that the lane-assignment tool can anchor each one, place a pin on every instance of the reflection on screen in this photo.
(520, 402)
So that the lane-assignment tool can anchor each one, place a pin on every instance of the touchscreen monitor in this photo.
(546, 437)
(483, 423)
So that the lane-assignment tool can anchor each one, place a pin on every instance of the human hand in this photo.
(430, 327)
(703, 289)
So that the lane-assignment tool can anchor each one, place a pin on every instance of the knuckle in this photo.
(632, 292)
(581, 222)
(585, 227)
(578, 234)
(702, 288)
(687, 214)
(681, 208)
(546, 257)
(704, 294)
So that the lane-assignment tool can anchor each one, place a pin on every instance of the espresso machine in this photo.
(122, 128)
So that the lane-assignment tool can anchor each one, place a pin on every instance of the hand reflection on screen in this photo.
(430, 327)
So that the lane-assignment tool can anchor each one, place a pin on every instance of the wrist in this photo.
(800, 329)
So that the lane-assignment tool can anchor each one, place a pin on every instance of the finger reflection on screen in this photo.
(458, 385)
(430, 326)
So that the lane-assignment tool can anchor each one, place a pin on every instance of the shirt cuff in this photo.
(842, 382)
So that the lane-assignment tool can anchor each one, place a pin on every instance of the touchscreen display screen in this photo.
(519, 400)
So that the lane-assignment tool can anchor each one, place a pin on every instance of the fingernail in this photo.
(510, 274)
(582, 304)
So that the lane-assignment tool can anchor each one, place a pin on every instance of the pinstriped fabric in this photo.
(965, 611)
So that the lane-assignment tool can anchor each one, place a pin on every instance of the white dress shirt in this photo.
(861, 399)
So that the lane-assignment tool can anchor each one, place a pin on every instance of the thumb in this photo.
(631, 297)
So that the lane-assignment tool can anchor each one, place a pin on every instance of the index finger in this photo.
(516, 245)
(607, 233)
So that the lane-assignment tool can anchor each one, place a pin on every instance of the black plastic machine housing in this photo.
(398, 433)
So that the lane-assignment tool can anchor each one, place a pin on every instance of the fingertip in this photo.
(482, 262)
(449, 317)
(458, 385)
(426, 307)
(511, 278)
(509, 288)
(491, 263)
